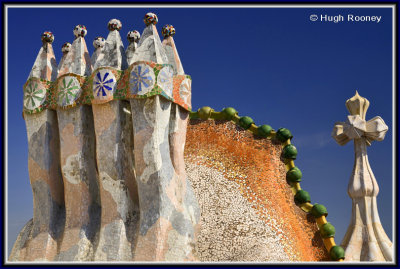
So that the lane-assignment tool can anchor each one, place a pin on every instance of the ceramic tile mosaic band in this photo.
(69, 91)
(145, 79)
(37, 95)
(141, 80)
(102, 85)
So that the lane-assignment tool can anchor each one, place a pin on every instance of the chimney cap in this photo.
(114, 24)
(133, 36)
(168, 30)
(150, 18)
(66, 47)
(80, 30)
(47, 37)
(99, 42)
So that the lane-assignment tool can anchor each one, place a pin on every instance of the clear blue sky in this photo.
(272, 64)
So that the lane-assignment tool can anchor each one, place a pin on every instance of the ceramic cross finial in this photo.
(365, 239)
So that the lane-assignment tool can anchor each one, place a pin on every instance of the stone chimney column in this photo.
(114, 154)
(166, 230)
(98, 44)
(177, 129)
(76, 127)
(133, 38)
(41, 235)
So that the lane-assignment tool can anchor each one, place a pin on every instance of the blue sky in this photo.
(272, 64)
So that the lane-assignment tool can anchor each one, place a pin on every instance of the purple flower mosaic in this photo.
(165, 80)
(142, 79)
(104, 84)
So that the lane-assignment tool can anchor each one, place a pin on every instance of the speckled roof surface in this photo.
(248, 211)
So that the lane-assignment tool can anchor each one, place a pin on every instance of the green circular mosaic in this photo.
(34, 95)
(69, 90)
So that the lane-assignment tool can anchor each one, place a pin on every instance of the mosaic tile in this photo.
(39, 103)
(185, 90)
(142, 79)
(104, 84)
(165, 80)
(254, 165)
(34, 95)
(69, 90)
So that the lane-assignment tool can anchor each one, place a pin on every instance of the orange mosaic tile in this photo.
(255, 165)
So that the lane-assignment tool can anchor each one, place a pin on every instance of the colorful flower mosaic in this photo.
(165, 79)
(185, 90)
(182, 91)
(114, 24)
(142, 79)
(133, 36)
(69, 90)
(104, 84)
(99, 42)
(66, 47)
(150, 18)
(80, 30)
(47, 37)
(34, 95)
(168, 30)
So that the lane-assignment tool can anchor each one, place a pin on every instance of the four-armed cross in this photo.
(365, 239)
